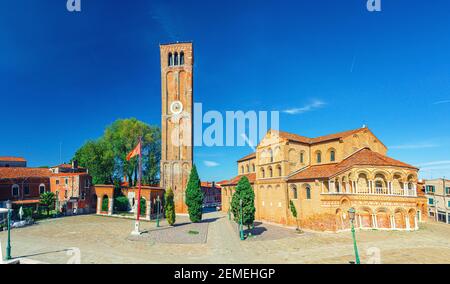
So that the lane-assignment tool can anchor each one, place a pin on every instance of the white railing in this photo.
(379, 191)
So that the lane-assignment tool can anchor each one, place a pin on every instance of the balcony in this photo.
(375, 191)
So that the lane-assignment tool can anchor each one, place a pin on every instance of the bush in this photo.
(121, 204)
(105, 204)
(143, 206)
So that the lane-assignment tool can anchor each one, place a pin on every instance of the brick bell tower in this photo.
(177, 119)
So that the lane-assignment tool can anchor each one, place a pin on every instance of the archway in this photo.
(365, 217)
(105, 203)
(399, 218)
(383, 218)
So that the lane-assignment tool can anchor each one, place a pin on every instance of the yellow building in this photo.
(325, 177)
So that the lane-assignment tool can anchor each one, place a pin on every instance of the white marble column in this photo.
(374, 221)
(110, 205)
(148, 209)
(99, 205)
(416, 223)
(408, 226)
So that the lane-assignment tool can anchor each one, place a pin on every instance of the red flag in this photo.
(136, 151)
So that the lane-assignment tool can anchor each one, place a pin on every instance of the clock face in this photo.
(176, 107)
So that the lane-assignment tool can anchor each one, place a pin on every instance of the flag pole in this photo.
(138, 213)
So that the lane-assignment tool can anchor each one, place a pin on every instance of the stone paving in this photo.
(107, 240)
(183, 232)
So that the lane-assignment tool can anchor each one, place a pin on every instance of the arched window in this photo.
(279, 171)
(302, 158)
(242, 169)
(332, 156)
(253, 167)
(176, 60)
(308, 192)
(247, 168)
(170, 60)
(263, 173)
(41, 188)
(182, 58)
(294, 192)
(15, 190)
(270, 172)
(270, 155)
(319, 157)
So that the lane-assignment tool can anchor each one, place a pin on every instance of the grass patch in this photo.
(191, 232)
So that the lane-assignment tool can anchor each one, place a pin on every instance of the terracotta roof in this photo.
(69, 166)
(69, 174)
(209, 184)
(248, 157)
(306, 140)
(251, 178)
(12, 159)
(26, 201)
(222, 182)
(24, 172)
(363, 157)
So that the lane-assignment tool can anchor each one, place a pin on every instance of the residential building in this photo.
(438, 197)
(15, 162)
(23, 186)
(72, 191)
(211, 194)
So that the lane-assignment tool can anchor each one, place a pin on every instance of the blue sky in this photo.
(65, 76)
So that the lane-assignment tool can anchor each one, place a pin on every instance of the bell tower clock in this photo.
(177, 119)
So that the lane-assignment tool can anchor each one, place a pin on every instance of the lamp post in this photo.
(157, 203)
(8, 245)
(241, 231)
(351, 214)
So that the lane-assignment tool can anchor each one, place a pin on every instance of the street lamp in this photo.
(351, 215)
(157, 204)
(241, 226)
(8, 245)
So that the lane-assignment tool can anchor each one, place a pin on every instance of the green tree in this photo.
(47, 199)
(245, 192)
(194, 196)
(121, 204)
(122, 136)
(106, 157)
(294, 213)
(98, 157)
(169, 207)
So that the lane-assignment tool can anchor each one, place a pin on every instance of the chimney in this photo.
(74, 165)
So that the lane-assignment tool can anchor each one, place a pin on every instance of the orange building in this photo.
(326, 176)
(72, 191)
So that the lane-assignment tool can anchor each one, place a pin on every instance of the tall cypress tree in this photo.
(169, 207)
(194, 196)
(245, 192)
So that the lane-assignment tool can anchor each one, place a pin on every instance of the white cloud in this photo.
(414, 146)
(211, 164)
(310, 107)
(442, 102)
(435, 163)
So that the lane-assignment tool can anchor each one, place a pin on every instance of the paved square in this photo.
(107, 240)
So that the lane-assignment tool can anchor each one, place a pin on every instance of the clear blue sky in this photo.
(65, 76)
